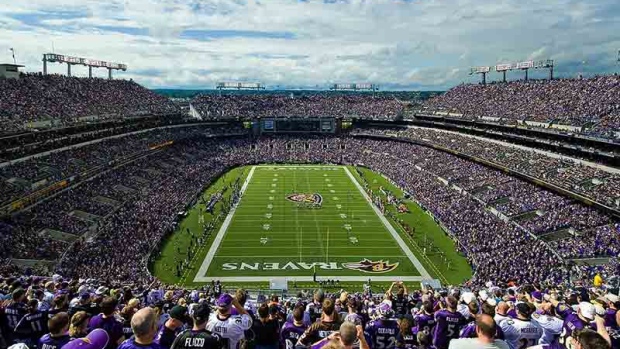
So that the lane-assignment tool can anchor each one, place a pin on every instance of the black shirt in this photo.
(201, 339)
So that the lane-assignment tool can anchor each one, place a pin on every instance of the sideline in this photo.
(202, 272)
(390, 228)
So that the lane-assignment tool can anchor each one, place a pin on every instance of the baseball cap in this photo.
(201, 311)
(178, 312)
(101, 290)
(224, 301)
(484, 295)
(587, 310)
(97, 339)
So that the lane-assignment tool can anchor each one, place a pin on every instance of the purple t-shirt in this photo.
(131, 344)
(111, 325)
(448, 326)
(290, 334)
(49, 342)
(469, 331)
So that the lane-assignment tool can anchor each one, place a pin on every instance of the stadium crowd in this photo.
(136, 206)
(596, 183)
(35, 97)
(240, 107)
(64, 313)
(591, 102)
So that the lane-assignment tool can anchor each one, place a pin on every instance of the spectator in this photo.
(107, 320)
(79, 325)
(292, 330)
(485, 336)
(266, 329)
(58, 336)
(346, 337)
(144, 327)
(329, 321)
(229, 329)
(198, 337)
(97, 339)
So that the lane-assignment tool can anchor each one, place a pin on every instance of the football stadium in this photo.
(169, 206)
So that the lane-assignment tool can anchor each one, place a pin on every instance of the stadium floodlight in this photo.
(480, 70)
(90, 63)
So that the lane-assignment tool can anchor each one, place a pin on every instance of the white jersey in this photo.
(230, 329)
(551, 326)
(521, 333)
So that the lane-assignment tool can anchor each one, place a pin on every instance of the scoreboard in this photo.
(291, 125)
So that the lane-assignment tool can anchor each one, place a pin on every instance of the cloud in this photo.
(422, 44)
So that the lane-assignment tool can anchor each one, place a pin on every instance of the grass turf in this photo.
(298, 234)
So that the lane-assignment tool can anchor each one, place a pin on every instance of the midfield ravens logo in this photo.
(373, 267)
(315, 199)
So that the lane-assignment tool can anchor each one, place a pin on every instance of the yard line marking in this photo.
(220, 234)
(390, 228)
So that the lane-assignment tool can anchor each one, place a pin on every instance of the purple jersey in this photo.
(571, 323)
(448, 326)
(49, 342)
(13, 314)
(290, 334)
(111, 325)
(36, 323)
(424, 323)
(131, 344)
(382, 333)
(610, 319)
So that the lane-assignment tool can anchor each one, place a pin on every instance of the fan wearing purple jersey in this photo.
(107, 321)
(382, 332)
(576, 321)
(355, 315)
(291, 331)
(58, 336)
(14, 312)
(35, 322)
(448, 324)
(612, 317)
(424, 320)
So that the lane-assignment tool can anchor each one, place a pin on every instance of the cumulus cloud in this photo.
(422, 44)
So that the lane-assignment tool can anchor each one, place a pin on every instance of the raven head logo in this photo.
(373, 267)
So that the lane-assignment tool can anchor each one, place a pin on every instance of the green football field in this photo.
(296, 220)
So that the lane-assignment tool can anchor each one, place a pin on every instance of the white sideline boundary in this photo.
(201, 275)
(202, 272)
(424, 274)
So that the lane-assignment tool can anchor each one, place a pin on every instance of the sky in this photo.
(397, 44)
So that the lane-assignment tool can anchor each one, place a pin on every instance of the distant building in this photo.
(10, 71)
